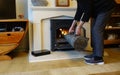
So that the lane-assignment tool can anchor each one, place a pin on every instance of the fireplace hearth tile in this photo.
(59, 55)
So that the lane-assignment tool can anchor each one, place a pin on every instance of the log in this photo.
(77, 42)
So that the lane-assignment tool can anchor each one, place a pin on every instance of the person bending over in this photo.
(100, 12)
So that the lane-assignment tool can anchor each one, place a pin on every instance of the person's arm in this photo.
(71, 29)
(81, 16)
(84, 18)
(76, 18)
(78, 28)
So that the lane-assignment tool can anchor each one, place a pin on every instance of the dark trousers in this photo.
(97, 32)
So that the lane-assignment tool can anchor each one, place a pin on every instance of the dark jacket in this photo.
(90, 8)
(101, 6)
(83, 11)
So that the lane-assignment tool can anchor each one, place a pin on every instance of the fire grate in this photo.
(60, 27)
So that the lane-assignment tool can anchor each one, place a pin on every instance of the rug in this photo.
(82, 70)
(108, 73)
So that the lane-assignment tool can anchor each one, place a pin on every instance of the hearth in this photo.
(59, 28)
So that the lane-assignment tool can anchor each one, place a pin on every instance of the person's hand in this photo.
(78, 30)
(71, 30)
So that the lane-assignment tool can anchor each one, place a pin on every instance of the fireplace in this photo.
(59, 28)
(40, 29)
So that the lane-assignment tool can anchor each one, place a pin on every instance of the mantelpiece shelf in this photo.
(52, 8)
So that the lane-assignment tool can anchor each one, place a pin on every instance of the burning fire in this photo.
(63, 31)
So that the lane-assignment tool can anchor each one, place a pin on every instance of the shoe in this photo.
(93, 61)
(88, 57)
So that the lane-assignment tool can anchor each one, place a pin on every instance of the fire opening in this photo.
(59, 28)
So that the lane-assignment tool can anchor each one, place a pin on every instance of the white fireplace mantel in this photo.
(37, 14)
(40, 13)
(47, 12)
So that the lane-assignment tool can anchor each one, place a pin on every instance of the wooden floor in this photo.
(61, 67)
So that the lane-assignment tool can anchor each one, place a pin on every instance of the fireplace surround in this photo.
(39, 27)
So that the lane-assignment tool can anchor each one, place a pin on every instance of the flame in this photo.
(63, 31)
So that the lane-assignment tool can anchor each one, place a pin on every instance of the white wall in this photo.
(22, 8)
